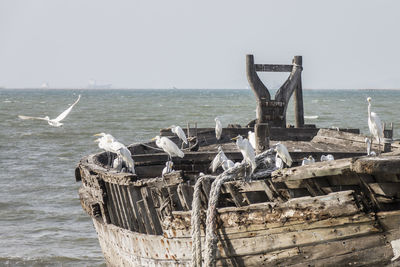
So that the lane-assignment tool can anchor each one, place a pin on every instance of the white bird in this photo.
(278, 162)
(307, 161)
(218, 159)
(110, 144)
(168, 168)
(179, 132)
(328, 157)
(247, 151)
(227, 164)
(218, 128)
(252, 139)
(374, 124)
(53, 122)
(283, 153)
(117, 163)
(168, 146)
(105, 143)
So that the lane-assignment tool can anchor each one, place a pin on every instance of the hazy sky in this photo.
(197, 44)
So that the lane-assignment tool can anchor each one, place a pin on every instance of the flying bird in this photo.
(218, 128)
(247, 151)
(168, 146)
(283, 153)
(53, 122)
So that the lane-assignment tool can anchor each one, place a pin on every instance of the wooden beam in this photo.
(273, 68)
(298, 97)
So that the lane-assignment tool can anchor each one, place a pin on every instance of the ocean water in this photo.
(41, 220)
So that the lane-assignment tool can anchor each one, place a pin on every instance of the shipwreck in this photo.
(339, 212)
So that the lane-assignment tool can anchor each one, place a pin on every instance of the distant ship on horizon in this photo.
(93, 85)
(44, 85)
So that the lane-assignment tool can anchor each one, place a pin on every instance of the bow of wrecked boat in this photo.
(344, 211)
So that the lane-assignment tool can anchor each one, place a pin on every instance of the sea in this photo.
(41, 220)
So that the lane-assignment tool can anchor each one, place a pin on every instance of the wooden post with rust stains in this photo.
(388, 135)
(261, 131)
(298, 97)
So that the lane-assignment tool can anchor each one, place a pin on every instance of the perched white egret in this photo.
(179, 132)
(283, 153)
(218, 159)
(307, 161)
(328, 157)
(110, 144)
(168, 146)
(168, 168)
(252, 139)
(105, 143)
(53, 122)
(218, 128)
(374, 124)
(117, 163)
(227, 164)
(278, 162)
(247, 151)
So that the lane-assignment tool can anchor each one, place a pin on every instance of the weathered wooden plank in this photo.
(185, 193)
(273, 67)
(109, 204)
(114, 204)
(326, 168)
(121, 206)
(151, 211)
(376, 256)
(144, 215)
(236, 196)
(377, 165)
(133, 225)
(175, 201)
(259, 216)
(135, 196)
(306, 253)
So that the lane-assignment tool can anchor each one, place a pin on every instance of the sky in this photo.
(197, 44)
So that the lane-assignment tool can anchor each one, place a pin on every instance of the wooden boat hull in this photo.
(328, 230)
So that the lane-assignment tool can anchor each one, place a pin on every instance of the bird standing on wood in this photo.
(53, 122)
(307, 161)
(247, 151)
(221, 160)
(110, 144)
(179, 132)
(283, 153)
(374, 125)
(168, 168)
(252, 139)
(168, 146)
(328, 157)
(218, 128)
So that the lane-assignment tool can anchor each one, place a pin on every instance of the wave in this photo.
(314, 117)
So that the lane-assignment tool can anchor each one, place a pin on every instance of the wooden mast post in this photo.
(272, 113)
(298, 97)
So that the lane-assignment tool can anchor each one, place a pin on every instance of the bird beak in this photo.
(98, 134)
(234, 138)
(152, 139)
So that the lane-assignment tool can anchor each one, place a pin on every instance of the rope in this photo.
(196, 219)
(231, 174)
